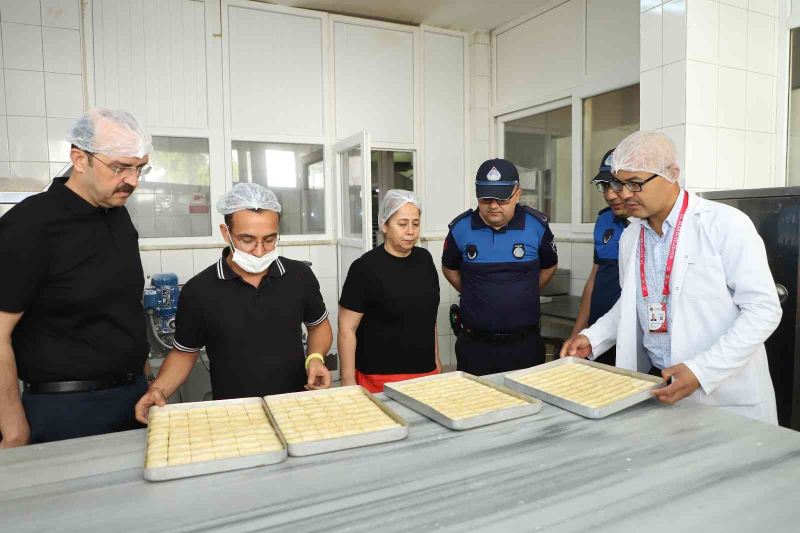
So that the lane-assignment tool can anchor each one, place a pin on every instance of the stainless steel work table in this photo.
(649, 468)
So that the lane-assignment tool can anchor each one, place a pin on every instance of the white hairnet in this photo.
(248, 196)
(394, 200)
(112, 132)
(647, 151)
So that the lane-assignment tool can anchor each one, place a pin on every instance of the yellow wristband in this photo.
(311, 356)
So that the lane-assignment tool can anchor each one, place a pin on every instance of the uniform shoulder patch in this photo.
(541, 217)
(460, 217)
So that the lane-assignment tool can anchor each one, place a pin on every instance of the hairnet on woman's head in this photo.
(248, 196)
(647, 151)
(394, 200)
(111, 132)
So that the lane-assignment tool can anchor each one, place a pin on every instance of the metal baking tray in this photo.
(163, 473)
(583, 410)
(341, 443)
(533, 405)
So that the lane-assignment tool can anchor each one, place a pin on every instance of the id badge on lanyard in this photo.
(657, 312)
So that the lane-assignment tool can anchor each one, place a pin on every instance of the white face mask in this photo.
(252, 263)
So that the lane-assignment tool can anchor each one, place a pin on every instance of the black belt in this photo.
(55, 387)
(501, 338)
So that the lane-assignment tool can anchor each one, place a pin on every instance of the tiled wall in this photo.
(708, 79)
(480, 87)
(41, 87)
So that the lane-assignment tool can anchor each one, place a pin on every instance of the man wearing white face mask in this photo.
(247, 309)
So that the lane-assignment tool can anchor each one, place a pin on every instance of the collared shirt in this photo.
(252, 335)
(74, 271)
(500, 268)
(606, 290)
(657, 345)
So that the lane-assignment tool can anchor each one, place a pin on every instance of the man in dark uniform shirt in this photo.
(72, 325)
(602, 290)
(499, 258)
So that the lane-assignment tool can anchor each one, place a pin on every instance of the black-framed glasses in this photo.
(487, 201)
(123, 171)
(616, 185)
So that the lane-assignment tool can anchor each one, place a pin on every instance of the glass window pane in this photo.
(793, 151)
(294, 172)
(173, 199)
(540, 146)
(352, 210)
(390, 170)
(607, 119)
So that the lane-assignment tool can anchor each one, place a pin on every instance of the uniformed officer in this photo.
(602, 288)
(246, 310)
(499, 258)
(72, 325)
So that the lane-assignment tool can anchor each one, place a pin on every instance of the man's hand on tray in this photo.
(683, 383)
(577, 346)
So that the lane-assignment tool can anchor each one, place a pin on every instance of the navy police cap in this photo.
(496, 178)
(604, 174)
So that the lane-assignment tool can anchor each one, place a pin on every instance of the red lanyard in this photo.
(672, 247)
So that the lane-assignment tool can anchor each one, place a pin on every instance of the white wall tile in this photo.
(27, 169)
(443, 317)
(702, 30)
(203, 258)
(480, 59)
(61, 13)
(766, 7)
(758, 160)
(3, 139)
(564, 254)
(58, 147)
(730, 158)
(323, 260)
(480, 92)
(737, 3)
(678, 136)
(760, 43)
(62, 50)
(701, 93)
(178, 262)
(330, 293)
(650, 84)
(298, 253)
(576, 286)
(151, 262)
(582, 259)
(731, 98)
(650, 42)
(673, 109)
(22, 46)
(701, 165)
(674, 14)
(25, 93)
(57, 169)
(27, 139)
(23, 11)
(2, 93)
(64, 94)
(760, 113)
(480, 126)
(732, 36)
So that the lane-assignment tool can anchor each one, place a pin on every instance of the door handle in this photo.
(783, 293)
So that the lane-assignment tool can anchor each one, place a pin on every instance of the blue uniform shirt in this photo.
(500, 268)
(607, 231)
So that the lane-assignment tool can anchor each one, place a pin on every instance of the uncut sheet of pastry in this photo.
(590, 390)
(334, 419)
(462, 401)
(205, 437)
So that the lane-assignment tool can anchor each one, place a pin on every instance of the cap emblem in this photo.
(493, 175)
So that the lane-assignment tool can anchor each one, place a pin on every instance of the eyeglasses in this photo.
(123, 171)
(487, 201)
(248, 243)
(616, 185)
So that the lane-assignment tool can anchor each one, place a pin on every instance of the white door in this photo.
(354, 203)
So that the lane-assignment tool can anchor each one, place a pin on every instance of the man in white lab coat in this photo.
(698, 299)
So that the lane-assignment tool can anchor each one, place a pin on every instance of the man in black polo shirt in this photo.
(247, 310)
(72, 325)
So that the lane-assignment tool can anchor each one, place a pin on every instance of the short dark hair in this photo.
(229, 217)
(82, 150)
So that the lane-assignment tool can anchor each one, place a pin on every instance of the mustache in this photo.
(125, 187)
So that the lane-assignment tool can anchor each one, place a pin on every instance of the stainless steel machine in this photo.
(776, 215)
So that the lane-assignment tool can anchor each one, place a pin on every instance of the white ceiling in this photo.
(453, 14)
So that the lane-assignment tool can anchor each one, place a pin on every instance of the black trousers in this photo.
(480, 357)
(81, 414)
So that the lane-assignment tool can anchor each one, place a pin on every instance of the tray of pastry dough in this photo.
(590, 389)
(327, 420)
(458, 400)
(192, 439)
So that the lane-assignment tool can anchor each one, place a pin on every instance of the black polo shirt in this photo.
(253, 336)
(75, 272)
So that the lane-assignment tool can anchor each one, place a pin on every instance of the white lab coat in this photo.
(724, 306)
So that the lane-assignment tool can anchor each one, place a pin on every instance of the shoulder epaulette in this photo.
(541, 217)
(462, 216)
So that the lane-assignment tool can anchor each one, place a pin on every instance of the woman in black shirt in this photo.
(387, 311)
